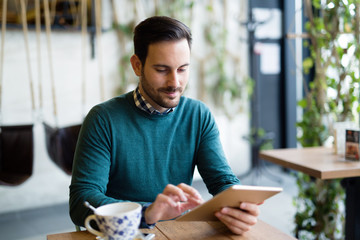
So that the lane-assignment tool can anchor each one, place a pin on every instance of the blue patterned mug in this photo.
(116, 221)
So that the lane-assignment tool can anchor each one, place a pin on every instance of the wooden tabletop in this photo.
(319, 162)
(176, 230)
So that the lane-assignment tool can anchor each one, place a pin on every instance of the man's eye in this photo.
(182, 69)
(161, 70)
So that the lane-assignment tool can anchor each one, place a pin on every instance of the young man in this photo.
(143, 146)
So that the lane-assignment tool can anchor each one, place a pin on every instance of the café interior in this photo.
(280, 77)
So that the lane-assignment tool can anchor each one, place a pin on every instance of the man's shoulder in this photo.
(192, 103)
(114, 105)
(115, 102)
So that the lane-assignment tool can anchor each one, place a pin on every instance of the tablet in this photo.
(231, 197)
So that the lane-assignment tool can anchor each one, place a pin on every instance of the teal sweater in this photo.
(125, 154)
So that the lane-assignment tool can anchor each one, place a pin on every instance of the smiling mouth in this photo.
(171, 92)
(171, 95)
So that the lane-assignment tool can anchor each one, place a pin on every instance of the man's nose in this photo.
(173, 79)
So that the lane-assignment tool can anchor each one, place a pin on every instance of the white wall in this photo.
(48, 184)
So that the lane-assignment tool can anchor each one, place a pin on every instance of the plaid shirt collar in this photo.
(144, 105)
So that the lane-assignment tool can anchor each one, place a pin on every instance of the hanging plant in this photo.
(224, 81)
(229, 89)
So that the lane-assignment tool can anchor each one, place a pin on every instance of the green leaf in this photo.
(308, 63)
(316, 4)
(302, 103)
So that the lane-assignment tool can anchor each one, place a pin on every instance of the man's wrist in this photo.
(143, 223)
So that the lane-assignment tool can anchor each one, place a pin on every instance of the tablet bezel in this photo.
(231, 197)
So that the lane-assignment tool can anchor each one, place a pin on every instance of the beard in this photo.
(159, 96)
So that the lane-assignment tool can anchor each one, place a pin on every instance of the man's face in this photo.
(165, 74)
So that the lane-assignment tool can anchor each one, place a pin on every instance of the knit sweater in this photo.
(125, 154)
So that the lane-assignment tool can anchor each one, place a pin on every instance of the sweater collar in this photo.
(144, 105)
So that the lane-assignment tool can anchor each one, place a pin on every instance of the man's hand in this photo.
(239, 220)
(173, 201)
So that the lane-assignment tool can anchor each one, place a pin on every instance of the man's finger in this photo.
(190, 191)
(175, 192)
(251, 208)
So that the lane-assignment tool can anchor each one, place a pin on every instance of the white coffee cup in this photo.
(116, 221)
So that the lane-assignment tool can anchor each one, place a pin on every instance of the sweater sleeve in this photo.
(211, 161)
(91, 167)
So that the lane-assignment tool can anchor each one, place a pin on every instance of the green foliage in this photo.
(315, 198)
(175, 8)
(308, 64)
(314, 131)
(227, 85)
(333, 95)
(334, 50)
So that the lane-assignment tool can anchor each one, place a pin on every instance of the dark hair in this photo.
(158, 29)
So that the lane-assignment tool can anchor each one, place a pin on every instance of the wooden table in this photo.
(176, 230)
(322, 163)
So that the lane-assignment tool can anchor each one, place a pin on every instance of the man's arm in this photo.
(91, 166)
(211, 161)
(218, 176)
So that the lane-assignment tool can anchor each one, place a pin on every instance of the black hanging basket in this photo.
(16, 154)
(61, 144)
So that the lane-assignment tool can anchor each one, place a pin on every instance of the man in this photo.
(143, 146)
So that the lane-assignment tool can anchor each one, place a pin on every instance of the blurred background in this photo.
(251, 64)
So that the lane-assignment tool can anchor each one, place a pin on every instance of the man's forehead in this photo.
(169, 53)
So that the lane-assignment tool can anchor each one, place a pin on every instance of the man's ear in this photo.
(136, 65)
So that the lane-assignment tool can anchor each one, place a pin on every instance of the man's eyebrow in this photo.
(166, 66)
(185, 65)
